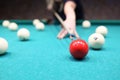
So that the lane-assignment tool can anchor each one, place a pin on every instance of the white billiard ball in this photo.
(23, 34)
(5, 23)
(96, 40)
(3, 45)
(86, 24)
(40, 26)
(102, 30)
(13, 26)
(36, 21)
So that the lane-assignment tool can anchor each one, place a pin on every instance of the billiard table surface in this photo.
(44, 57)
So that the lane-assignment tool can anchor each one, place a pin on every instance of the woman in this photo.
(70, 11)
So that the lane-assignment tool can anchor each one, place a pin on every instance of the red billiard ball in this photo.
(78, 48)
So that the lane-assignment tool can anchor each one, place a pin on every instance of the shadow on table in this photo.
(85, 59)
(5, 54)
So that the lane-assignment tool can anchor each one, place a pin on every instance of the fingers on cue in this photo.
(76, 35)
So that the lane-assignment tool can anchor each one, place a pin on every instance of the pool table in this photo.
(44, 57)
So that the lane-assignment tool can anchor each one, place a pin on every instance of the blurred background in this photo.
(31, 9)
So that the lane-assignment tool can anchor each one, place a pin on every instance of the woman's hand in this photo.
(71, 26)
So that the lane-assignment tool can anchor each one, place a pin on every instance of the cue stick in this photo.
(62, 22)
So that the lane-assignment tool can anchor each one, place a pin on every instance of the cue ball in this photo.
(86, 24)
(96, 40)
(5, 23)
(3, 45)
(78, 49)
(23, 34)
(36, 21)
(40, 26)
(13, 26)
(102, 30)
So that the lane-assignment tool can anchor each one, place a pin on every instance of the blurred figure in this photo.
(70, 11)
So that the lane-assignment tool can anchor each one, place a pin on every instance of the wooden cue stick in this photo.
(62, 22)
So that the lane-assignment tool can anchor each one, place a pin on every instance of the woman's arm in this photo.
(69, 10)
